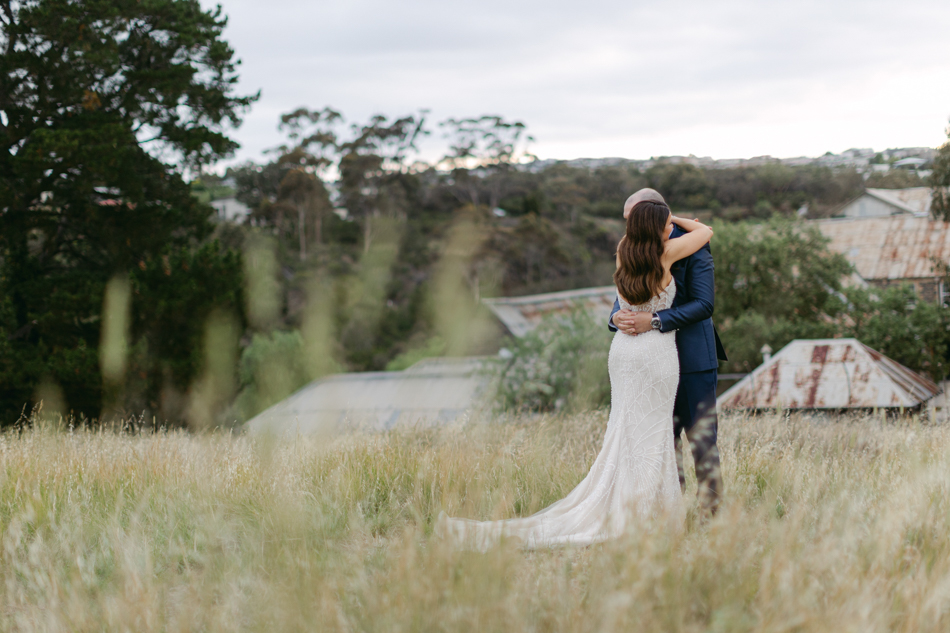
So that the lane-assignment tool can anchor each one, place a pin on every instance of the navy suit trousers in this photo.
(694, 412)
(695, 399)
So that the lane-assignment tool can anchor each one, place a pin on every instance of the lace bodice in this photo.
(662, 301)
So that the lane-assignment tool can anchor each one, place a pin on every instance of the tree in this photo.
(482, 151)
(894, 179)
(311, 151)
(106, 104)
(781, 268)
(683, 185)
(940, 181)
(774, 282)
(306, 194)
(609, 187)
(895, 322)
(760, 191)
(373, 167)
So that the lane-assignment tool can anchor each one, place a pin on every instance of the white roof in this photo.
(913, 161)
(837, 373)
(432, 391)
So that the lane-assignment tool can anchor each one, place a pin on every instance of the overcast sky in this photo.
(611, 78)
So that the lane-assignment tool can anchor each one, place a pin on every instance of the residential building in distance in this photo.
(893, 249)
(230, 209)
(879, 203)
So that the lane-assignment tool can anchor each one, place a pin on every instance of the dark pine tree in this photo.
(104, 105)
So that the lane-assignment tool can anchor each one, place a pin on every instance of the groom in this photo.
(699, 349)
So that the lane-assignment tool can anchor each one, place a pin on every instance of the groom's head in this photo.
(646, 193)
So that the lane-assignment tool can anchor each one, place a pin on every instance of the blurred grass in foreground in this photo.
(827, 526)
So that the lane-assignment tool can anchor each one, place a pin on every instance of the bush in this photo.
(561, 364)
(895, 322)
(272, 367)
(744, 337)
(775, 282)
(891, 320)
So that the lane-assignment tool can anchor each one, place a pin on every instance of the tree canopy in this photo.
(105, 105)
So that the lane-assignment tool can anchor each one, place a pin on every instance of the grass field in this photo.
(827, 525)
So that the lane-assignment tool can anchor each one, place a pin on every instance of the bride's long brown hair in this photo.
(640, 274)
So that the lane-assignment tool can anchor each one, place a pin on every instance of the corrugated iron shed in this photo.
(896, 247)
(829, 374)
(522, 314)
(431, 391)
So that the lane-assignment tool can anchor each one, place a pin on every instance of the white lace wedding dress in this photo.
(633, 482)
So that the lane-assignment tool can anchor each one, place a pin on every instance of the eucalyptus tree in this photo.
(483, 151)
(374, 165)
(306, 159)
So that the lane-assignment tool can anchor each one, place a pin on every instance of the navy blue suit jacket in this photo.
(697, 340)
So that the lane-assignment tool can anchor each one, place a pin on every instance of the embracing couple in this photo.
(663, 369)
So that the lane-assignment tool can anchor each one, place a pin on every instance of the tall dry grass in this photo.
(827, 525)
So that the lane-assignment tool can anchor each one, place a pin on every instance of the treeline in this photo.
(741, 193)
(403, 250)
(120, 294)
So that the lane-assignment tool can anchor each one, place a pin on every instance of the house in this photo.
(840, 373)
(913, 163)
(877, 203)
(893, 249)
(230, 209)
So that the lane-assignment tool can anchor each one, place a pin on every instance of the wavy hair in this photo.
(639, 275)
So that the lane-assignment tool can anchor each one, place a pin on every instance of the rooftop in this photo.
(914, 200)
(895, 247)
(522, 314)
(829, 374)
(432, 391)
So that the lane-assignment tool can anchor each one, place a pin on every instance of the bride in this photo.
(634, 478)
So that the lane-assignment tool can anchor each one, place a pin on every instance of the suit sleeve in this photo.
(610, 319)
(700, 285)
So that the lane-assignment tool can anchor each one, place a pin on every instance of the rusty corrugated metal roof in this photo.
(829, 374)
(522, 314)
(896, 247)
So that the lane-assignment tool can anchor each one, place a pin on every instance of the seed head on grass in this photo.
(827, 525)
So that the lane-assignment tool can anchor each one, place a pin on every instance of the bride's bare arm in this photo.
(697, 234)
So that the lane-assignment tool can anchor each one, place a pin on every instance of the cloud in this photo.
(727, 78)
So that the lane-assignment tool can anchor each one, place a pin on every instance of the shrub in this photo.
(561, 364)
(272, 367)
